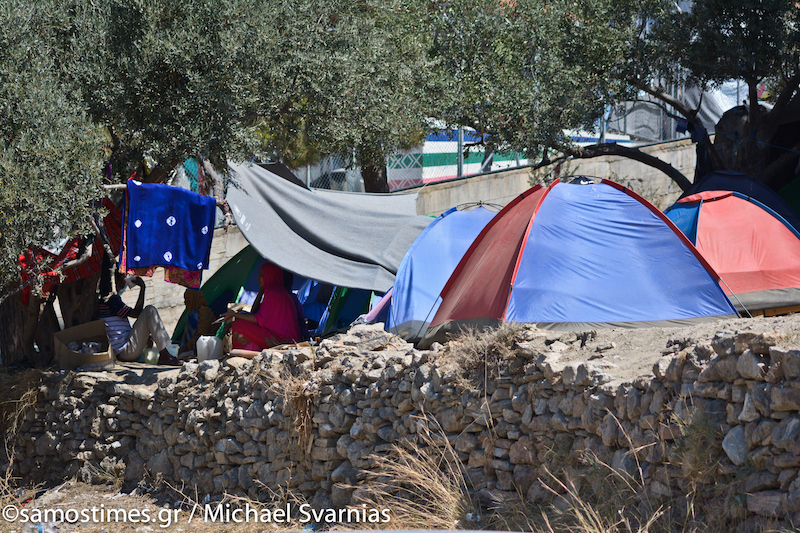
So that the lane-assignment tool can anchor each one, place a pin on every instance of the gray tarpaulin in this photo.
(347, 239)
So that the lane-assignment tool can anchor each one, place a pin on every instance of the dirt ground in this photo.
(101, 508)
(633, 352)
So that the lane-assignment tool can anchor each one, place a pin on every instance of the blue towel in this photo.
(169, 227)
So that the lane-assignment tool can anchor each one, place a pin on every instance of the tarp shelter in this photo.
(346, 239)
(572, 256)
(755, 251)
(728, 180)
(344, 306)
(327, 308)
(428, 265)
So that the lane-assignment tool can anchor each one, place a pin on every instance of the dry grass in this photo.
(484, 353)
(19, 391)
(790, 339)
(423, 485)
(298, 394)
(262, 509)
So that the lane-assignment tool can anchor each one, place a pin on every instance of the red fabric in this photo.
(276, 317)
(489, 264)
(749, 248)
(44, 263)
(187, 278)
(706, 195)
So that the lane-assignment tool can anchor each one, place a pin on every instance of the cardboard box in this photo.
(89, 332)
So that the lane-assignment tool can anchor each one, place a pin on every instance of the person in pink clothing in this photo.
(273, 319)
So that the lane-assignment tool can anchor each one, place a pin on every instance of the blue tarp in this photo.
(428, 265)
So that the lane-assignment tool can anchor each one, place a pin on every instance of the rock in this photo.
(208, 370)
(344, 473)
(749, 412)
(538, 493)
(661, 490)
(523, 452)
(660, 366)
(720, 369)
(160, 465)
(735, 445)
(239, 364)
(531, 349)
(524, 477)
(550, 365)
(785, 479)
(624, 462)
(750, 366)
(762, 432)
(759, 343)
(452, 420)
(341, 495)
(559, 346)
(324, 454)
(724, 343)
(760, 394)
(788, 359)
(785, 399)
(785, 434)
(245, 478)
(760, 481)
(47, 444)
(228, 446)
(766, 503)
(466, 442)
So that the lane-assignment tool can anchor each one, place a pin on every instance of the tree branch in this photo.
(786, 94)
(87, 253)
(14, 291)
(773, 170)
(690, 114)
(597, 150)
(783, 100)
(680, 107)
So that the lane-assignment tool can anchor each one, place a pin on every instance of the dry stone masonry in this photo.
(314, 422)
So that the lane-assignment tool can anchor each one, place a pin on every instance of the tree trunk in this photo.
(47, 326)
(736, 142)
(374, 174)
(21, 326)
(12, 324)
(78, 300)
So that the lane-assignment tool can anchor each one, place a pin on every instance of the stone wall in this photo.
(314, 422)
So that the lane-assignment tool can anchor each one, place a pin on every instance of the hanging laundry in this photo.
(188, 278)
(168, 226)
(44, 263)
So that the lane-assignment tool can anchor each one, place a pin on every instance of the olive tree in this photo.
(532, 69)
(112, 87)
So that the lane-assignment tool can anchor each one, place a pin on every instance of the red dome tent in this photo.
(578, 255)
(754, 250)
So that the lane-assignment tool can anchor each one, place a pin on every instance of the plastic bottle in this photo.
(208, 347)
(151, 356)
